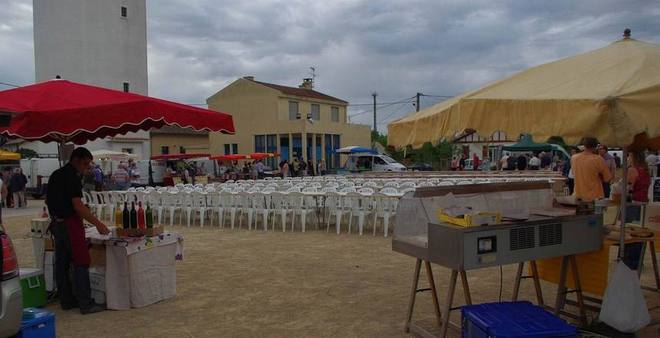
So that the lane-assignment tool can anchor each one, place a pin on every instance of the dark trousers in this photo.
(571, 185)
(606, 189)
(73, 286)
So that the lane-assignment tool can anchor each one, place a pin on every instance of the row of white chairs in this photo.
(266, 208)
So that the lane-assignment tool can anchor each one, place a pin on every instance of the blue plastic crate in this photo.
(37, 323)
(512, 320)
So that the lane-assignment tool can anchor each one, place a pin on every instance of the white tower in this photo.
(98, 42)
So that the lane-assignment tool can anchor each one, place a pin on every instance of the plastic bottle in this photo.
(133, 216)
(118, 216)
(44, 213)
(149, 215)
(126, 217)
(140, 216)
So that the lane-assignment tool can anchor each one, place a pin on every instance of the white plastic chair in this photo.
(334, 203)
(171, 203)
(245, 206)
(300, 205)
(261, 206)
(279, 203)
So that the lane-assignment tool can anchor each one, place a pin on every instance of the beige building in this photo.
(175, 140)
(291, 121)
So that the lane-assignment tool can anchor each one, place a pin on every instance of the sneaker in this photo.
(92, 309)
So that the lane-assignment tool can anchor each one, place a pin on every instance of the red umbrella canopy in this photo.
(173, 157)
(229, 157)
(65, 111)
(260, 156)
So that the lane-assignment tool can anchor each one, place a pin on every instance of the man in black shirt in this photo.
(67, 212)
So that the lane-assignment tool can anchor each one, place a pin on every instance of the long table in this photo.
(136, 272)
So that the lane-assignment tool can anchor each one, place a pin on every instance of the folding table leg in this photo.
(578, 289)
(561, 287)
(537, 283)
(450, 300)
(413, 294)
(434, 294)
(516, 283)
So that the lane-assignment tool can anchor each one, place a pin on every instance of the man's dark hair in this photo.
(81, 153)
(589, 142)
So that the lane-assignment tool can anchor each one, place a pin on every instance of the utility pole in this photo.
(374, 94)
(417, 102)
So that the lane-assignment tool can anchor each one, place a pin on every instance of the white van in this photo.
(372, 162)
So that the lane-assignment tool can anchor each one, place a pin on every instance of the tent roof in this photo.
(612, 93)
(526, 143)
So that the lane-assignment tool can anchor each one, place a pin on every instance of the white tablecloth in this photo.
(139, 271)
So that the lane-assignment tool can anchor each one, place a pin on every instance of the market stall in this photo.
(176, 166)
(483, 225)
(125, 272)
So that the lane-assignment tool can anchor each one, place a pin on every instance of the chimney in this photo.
(251, 78)
(626, 33)
(308, 83)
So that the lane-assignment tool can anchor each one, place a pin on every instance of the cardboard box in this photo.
(97, 255)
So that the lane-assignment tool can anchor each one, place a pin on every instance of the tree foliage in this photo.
(27, 153)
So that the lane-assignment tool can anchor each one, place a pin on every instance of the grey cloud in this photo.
(396, 48)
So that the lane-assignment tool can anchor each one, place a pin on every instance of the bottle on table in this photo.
(118, 216)
(133, 216)
(126, 217)
(44, 213)
(140, 216)
(149, 217)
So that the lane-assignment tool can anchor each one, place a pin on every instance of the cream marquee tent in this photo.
(612, 93)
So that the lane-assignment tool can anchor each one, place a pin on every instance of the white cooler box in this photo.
(97, 283)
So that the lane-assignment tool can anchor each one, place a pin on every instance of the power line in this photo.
(408, 100)
(381, 103)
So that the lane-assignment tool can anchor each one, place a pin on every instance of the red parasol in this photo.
(229, 157)
(174, 157)
(261, 156)
(65, 111)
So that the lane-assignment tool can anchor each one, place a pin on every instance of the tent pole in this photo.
(60, 149)
(624, 200)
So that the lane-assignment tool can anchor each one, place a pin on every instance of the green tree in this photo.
(378, 137)
(27, 153)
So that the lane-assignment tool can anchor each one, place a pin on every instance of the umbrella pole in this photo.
(60, 149)
(624, 199)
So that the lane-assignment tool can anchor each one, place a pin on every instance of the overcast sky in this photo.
(395, 48)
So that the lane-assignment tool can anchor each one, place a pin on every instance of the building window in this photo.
(182, 150)
(271, 147)
(334, 112)
(124, 12)
(126, 87)
(293, 110)
(284, 147)
(259, 143)
(227, 149)
(328, 151)
(234, 148)
(127, 150)
(316, 112)
(164, 150)
(336, 144)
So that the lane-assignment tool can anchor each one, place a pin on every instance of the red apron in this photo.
(79, 248)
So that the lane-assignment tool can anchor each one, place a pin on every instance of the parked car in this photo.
(420, 166)
(372, 162)
(11, 297)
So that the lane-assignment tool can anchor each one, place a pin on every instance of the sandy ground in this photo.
(240, 283)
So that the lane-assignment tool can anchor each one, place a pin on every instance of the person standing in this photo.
(67, 212)
(17, 184)
(617, 160)
(120, 177)
(611, 166)
(521, 162)
(504, 162)
(310, 168)
(639, 181)
(454, 164)
(590, 172)
(285, 169)
(461, 162)
(296, 167)
(534, 162)
(98, 177)
(322, 170)
(476, 162)
(260, 169)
